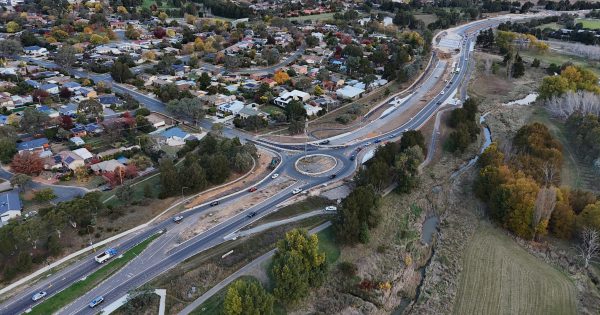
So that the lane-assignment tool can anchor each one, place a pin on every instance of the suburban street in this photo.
(166, 252)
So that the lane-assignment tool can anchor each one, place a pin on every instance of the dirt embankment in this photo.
(222, 213)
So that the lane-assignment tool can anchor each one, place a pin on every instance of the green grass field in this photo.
(554, 26)
(592, 24)
(553, 57)
(499, 277)
(58, 301)
(327, 244)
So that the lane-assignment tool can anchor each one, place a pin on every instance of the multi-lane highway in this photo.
(166, 252)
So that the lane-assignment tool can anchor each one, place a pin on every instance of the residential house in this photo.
(349, 92)
(77, 141)
(71, 160)
(87, 92)
(109, 100)
(68, 110)
(35, 145)
(106, 166)
(35, 51)
(3, 120)
(86, 155)
(48, 111)
(231, 108)
(50, 88)
(72, 86)
(10, 206)
(286, 97)
(173, 136)
(19, 100)
(6, 100)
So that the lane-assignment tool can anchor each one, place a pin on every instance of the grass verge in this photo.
(327, 244)
(500, 277)
(309, 204)
(58, 301)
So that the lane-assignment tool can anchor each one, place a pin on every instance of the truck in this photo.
(106, 255)
(274, 162)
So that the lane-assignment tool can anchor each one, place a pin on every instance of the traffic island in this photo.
(315, 164)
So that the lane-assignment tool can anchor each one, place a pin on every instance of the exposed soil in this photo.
(224, 212)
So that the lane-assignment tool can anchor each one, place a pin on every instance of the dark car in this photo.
(214, 203)
(253, 189)
(324, 142)
(377, 141)
(332, 176)
(352, 157)
(251, 214)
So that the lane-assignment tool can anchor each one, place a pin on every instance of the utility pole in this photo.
(305, 134)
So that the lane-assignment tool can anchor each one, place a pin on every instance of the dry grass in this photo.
(499, 277)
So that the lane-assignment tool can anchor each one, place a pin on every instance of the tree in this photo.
(12, 27)
(10, 47)
(169, 181)
(297, 266)
(518, 69)
(27, 163)
(90, 108)
(281, 77)
(562, 220)
(120, 72)
(271, 56)
(45, 194)
(589, 248)
(361, 205)
(65, 56)
(247, 297)
(590, 217)
(187, 107)
(218, 128)
(132, 33)
(411, 138)
(535, 63)
(125, 193)
(8, 148)
(33, 120)
(407, 165)
(20, 180)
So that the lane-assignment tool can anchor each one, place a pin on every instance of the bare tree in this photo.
(550, 171)
(584, 102)
(544, 205)
(589, 249)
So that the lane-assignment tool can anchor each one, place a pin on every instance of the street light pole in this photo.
(182, 188)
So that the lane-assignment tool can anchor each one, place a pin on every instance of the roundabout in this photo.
(315, 164)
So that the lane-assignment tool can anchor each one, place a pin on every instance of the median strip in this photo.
(63, 298)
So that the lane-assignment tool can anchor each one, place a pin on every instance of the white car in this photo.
(442, 92)
(38, 296)
(296, 191)
(331, 208)
(275, 176)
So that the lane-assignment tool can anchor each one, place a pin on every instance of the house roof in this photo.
(33, 144)
(77, 140)
(48, 86)
(83, 153)
(174, 132)
(107, 166)
(10, 201)
(349, 91)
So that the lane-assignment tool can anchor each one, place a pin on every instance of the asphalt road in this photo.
(163, 254)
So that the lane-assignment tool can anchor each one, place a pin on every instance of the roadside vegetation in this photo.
(61, 299)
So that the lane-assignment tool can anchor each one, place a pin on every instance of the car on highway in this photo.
(352, 157)
(439, 102)
(393, 135)
(38, 296)
(177, 218)
(442, 92)
(332, 176)
(377, 141)
(324, 142)
(96, 301)
(275, 176)
(296, 191)
(252, 189)
(251, 214)
(331, 208)
(214, 203)
(368, 143)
